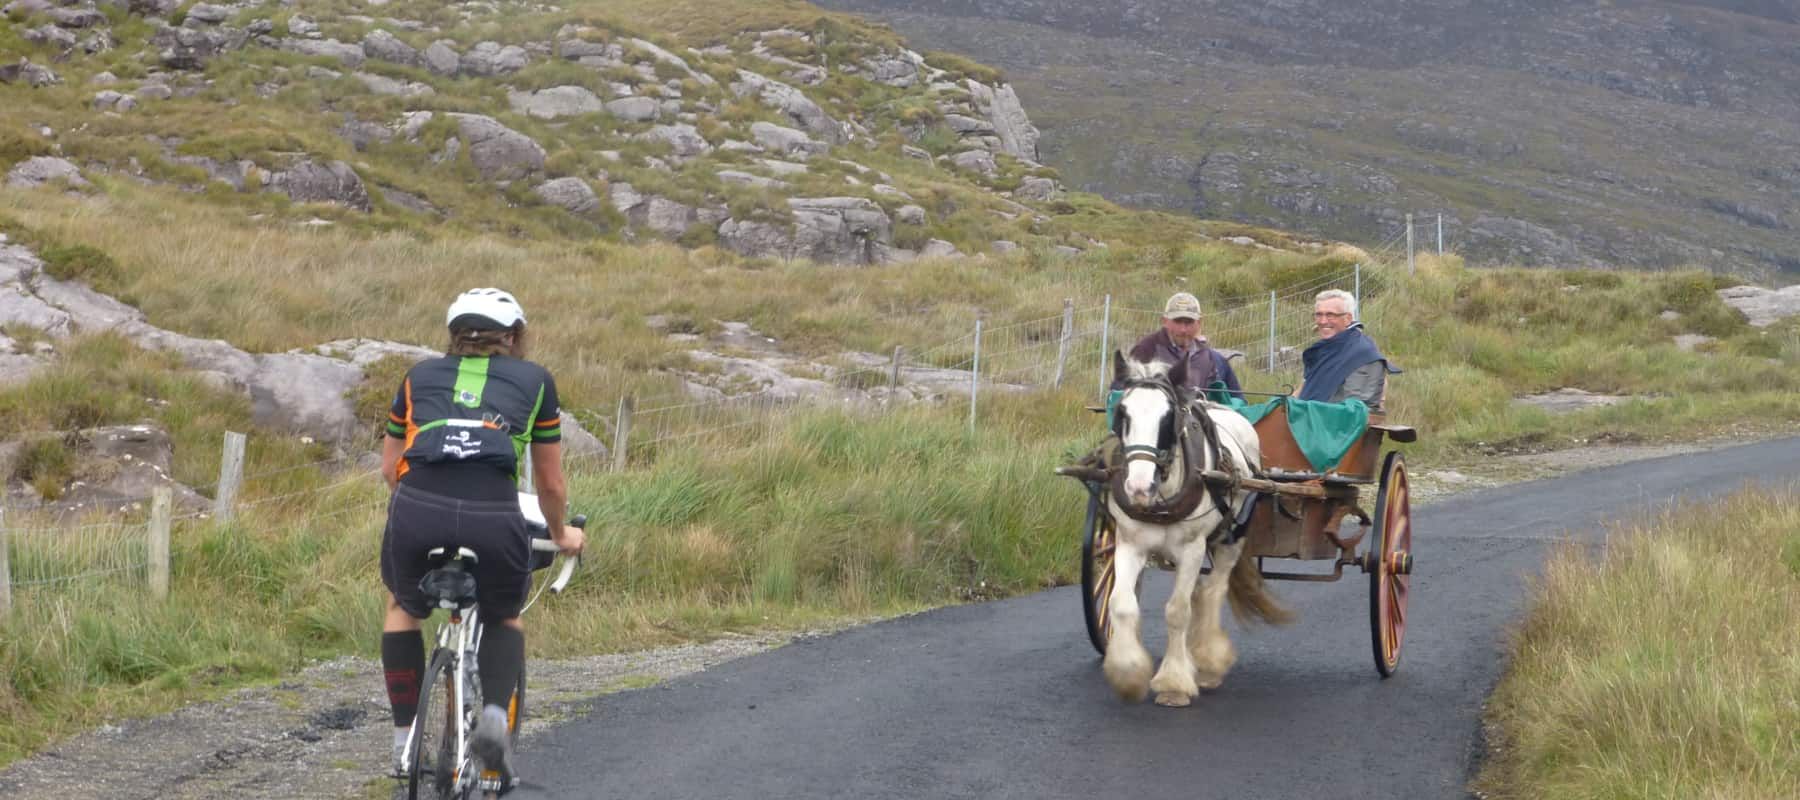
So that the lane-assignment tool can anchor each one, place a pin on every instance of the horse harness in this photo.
(1184, 426)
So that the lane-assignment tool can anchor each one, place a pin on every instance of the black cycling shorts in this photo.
(495, 529)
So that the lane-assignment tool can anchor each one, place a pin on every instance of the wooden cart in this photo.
(1300, 514)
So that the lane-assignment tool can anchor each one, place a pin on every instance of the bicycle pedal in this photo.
(491, 781)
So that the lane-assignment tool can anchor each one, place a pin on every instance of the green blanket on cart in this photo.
(1324, 431)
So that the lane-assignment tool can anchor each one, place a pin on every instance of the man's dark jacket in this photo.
(1204, 364)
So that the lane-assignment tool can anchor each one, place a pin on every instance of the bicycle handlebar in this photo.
(569, 563)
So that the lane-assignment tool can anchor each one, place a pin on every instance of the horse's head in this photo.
(1151, 412)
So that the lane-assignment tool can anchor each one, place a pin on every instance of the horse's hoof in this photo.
(1173, 700)
(1210, 682)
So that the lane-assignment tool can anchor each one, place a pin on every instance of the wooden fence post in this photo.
(231, 474)
(1063, 342)
(622, 432)
(975, 376)
(161, 500)
(5, 569)
(894, 370)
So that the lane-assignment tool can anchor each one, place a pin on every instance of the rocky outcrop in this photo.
(315, 182)
(667, 57)
(827, 230)
(635, 109)
(901, 70)
(384, 85)
(980, 162)
(190, 48)
(500, 153)
(1037, 189)
(684, 140)
(1018, 137)
(791, 102)
(571, 194)
(557, 101)
(491, 59)
(33, 75)
(665, 217)
(39, 170)
(349, 55)
(120, 465)
(1763, 307)
(786, 141)
(441, 58)
(383, 46)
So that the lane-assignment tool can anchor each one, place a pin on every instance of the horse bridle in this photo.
(1174, 423)
(1180, 414)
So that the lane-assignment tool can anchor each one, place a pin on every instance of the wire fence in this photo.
(1070, 347)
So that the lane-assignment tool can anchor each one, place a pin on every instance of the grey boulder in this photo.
(570, 194)
(500, 153)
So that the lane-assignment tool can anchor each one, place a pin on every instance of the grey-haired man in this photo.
(1344, 362)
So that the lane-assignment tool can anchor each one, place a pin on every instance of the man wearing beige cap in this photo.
(1180, 340)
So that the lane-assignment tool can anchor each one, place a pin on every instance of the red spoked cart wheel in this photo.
(1097, 576)
(1390, 562)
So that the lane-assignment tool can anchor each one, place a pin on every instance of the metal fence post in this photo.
(1440, 234)
(1359, 289)
(231, 475)
(1271, 331)
(975, 376)
(160, 500)
(1063, 341)
(5, 570)
(1105, 326)
(894, 370)
(622, 431)
(1409, 244)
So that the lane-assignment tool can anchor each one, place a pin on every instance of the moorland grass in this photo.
(1666, 665)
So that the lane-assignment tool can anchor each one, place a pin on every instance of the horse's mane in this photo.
(1140, 370)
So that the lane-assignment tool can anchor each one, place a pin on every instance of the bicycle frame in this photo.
(460, 637)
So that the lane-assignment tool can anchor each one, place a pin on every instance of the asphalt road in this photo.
(1005, 699)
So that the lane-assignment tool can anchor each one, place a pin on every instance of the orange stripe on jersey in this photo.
(412, 428)
(550, 423)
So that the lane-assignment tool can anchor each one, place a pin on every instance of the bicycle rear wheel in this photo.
(432, 773)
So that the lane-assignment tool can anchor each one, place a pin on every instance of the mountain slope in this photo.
(1649, 134)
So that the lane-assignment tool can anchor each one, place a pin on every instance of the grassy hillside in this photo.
(824, 514)
(1582, 134)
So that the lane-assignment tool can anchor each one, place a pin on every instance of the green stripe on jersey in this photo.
(471, 379)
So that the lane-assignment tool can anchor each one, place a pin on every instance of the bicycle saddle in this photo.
(449, 585)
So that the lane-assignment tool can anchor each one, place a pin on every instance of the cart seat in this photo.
(1283, 458)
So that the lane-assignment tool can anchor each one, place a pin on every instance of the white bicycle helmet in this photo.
(492, 305)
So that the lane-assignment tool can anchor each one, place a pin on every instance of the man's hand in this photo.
(571, 540)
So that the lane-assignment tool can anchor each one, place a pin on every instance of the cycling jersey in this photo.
(474, 410)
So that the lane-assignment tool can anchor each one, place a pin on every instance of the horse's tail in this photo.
(1250, 597)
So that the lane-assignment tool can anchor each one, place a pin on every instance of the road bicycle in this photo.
(438, 760)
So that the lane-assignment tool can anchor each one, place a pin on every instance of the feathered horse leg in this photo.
(1213, 652)
(1174, 682)
(1127, 663)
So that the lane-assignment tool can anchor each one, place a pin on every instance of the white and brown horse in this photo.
(1162, 507)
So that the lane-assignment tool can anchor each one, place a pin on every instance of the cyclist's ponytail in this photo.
(488, 342)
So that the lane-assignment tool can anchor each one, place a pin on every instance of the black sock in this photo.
(502, 661)
(403, 662)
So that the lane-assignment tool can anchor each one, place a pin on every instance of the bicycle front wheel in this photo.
(432, 773)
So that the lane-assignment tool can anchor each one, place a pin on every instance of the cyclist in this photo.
(456, 435)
